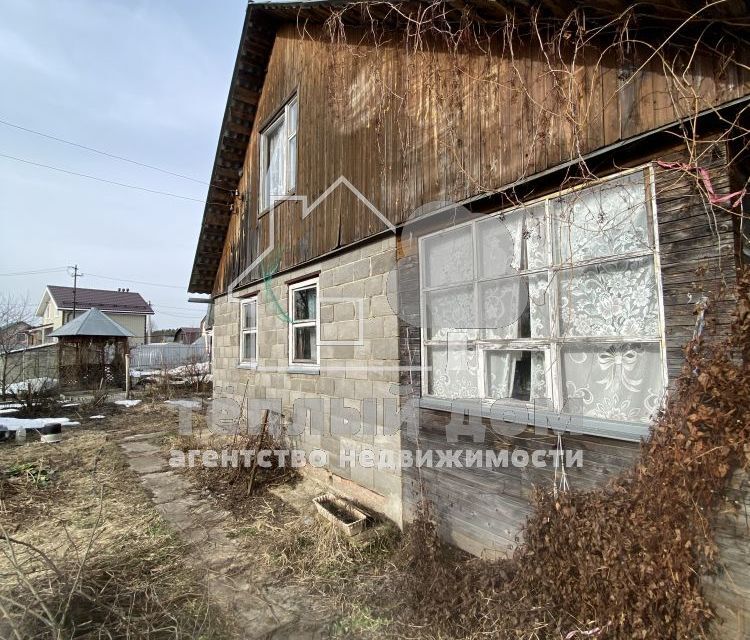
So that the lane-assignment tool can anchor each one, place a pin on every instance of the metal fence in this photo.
(167, 355)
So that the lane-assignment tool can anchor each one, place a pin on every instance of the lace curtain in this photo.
(608, 219)
(610, 299)
(494, 281)
(614, 382)
(275, 163)
(497, 294)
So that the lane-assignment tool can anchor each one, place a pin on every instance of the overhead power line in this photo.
(33, 272)
(105, 153)
(151, 284)
(97, 178)
(175, 315)
(94, 275)
(173, 308)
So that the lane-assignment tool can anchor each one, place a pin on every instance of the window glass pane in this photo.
(292, 164)
(500, 245)
(539, 309)
(612, 381)
(512, 243)
(504, 305)
(613, 299)
(450, 313)
(305, 344)
(453, 372)
(305, 303)
(520, 375)
(603, 220)
(292, 113)
(274, 163)
(250, 320)
(249, 346)
(535, 233)
(449, 258)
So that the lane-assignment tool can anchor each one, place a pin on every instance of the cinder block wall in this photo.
(351, 373)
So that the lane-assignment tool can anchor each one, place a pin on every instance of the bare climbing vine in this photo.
(430, 63)
(625, 560)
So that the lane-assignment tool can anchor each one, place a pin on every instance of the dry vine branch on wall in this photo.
(545, 67)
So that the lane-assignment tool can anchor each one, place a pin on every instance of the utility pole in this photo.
(147, 328)
(75, 275)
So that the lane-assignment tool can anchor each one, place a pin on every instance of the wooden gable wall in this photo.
(410, 130)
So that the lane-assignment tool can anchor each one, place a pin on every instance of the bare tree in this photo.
(14, 322)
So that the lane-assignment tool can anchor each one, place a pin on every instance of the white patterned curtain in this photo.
(610, 299)
(275, 166)
(502, 301)
(606, 220)
(450, 313)
(454, 372)
(616, 382)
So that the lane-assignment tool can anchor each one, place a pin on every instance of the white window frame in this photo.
(289, 175)
(552, 346)
(245, 331)
(304, 284)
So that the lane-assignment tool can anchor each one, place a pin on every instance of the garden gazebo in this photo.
(92, 350)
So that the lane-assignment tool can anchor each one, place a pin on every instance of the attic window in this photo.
(278, 157)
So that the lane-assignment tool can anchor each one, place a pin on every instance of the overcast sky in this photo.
(146, 80)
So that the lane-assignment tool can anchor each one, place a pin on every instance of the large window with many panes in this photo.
(556, 303)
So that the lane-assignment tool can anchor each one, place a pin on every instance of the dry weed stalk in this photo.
(95, 561)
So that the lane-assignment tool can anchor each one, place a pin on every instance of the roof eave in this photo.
(47, 295)
(105, 310)
(256, 41)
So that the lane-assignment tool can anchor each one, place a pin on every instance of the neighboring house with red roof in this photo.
(127, 308)
(187, 335)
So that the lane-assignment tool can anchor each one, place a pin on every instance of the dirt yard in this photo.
(101, 539)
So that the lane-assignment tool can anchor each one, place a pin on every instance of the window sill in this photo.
(527, 414)
(311, 370)
(252, 366)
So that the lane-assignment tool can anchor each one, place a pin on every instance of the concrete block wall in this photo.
(349, 374)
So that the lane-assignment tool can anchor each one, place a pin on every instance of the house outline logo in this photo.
(306, 211)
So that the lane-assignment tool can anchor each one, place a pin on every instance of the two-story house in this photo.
(56, 308)
(428, 220)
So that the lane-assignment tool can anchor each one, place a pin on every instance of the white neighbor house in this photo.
(127, 308)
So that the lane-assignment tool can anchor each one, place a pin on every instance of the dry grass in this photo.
(292, 547)
(85, 554)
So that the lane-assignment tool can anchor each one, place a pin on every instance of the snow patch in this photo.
(13, 424)
(127, 403)
(36, 384)
(188, 404)
(97, 417)
(199, 368)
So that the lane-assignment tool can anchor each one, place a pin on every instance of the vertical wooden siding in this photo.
(409, 130)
